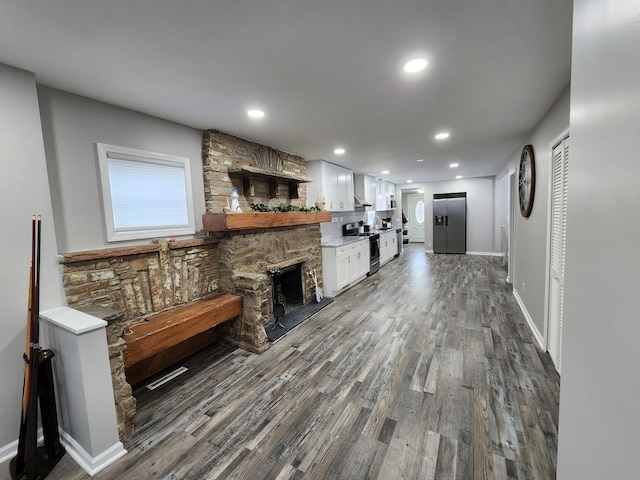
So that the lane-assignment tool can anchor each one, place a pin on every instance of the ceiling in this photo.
(327, 73)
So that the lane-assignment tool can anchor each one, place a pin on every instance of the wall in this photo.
(599, 418)
(480, 211)
(530, 234)
(71, 126)
(24, 190)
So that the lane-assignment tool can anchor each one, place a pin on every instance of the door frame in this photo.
(420, 196)
(511, 232)
(547, 283)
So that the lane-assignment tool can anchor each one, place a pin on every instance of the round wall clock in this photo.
(527, 180)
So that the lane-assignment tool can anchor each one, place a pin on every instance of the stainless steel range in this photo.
(355, 230)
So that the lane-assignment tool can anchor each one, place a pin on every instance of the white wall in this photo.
(600, 394)
(24, 191)
(480, 211)
(71, 126)
(530, 234)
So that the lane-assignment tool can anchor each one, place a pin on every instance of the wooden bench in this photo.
(167, 337)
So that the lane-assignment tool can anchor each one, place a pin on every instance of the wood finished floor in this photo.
(426, 370)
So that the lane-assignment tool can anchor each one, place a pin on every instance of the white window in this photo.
(145, 194)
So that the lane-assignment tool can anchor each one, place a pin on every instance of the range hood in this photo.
(359, 203)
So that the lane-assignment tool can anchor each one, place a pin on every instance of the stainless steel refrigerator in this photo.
(450, 223)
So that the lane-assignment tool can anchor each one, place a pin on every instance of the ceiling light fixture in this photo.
(255, 113)
(458, 176)
(442, 136)
(385, 172)
(409, 181)
(416, 65)
(420, 160)
(339, 151)
(421, 191)
(454, 165)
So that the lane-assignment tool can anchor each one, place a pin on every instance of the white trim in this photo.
(74, 321)
(490, 254)
(559, 139)
(11, 450)
(428, 251)
(89, 464)
(532, 326)
(105, 152)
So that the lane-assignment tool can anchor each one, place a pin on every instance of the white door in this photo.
(415, 205)
(557, 243)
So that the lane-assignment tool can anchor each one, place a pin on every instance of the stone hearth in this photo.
(245, 261)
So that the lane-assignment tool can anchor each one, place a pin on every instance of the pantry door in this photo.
(557, 243)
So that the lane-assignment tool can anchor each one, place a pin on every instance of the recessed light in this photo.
(255, 113)
(420, 160)
(458, 176)
(415, 65)
(409, 181)
(385, 172)
(454, 165)
(339, 151)
(442, 136)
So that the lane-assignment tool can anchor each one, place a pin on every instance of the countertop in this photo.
(342, 241)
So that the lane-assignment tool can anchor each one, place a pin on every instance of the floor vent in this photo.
(167, 378)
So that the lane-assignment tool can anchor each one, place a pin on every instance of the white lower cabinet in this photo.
(388, 246)
(344, 266)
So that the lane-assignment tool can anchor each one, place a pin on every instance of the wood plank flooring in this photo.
(426, 370)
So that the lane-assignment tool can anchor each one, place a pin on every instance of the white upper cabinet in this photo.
(385, 193)
(391, 195)
(365, 189)
(332, 184)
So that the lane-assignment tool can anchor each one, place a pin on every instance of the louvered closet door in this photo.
(559, 181)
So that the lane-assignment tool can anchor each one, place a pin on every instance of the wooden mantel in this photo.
(221, 222)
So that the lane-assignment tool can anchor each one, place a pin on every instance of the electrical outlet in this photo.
(429, 244)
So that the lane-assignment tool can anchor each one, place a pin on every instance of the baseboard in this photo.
(491, 254)
(89, 464)
(532, 326)
(9, 451)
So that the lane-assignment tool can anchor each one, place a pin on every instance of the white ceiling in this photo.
(327, 73)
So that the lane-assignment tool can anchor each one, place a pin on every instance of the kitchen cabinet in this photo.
(385, 194)
(390, 189)
(344, 266)
(388, 246)
(332, 184)
(365, 189)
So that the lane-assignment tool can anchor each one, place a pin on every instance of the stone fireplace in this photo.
(124, 285)
(247, 261)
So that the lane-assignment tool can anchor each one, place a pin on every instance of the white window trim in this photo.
(122, 234)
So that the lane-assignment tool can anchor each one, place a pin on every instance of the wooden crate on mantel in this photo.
(221, 222)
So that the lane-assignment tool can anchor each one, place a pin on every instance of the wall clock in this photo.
(527, 180)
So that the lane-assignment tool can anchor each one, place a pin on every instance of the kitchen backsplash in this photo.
(334, 229)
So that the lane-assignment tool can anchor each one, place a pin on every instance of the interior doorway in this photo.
(416, 217)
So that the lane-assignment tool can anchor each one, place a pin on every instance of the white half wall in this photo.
(71, 125)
